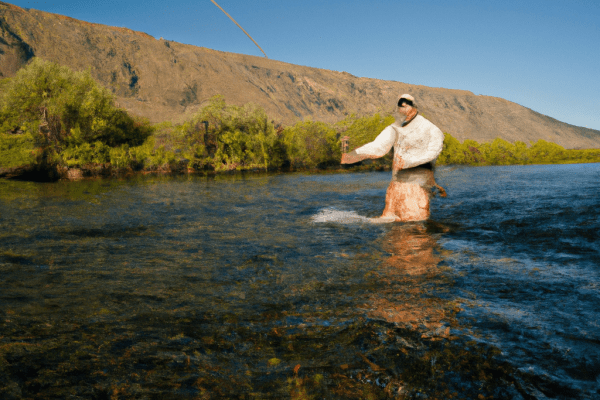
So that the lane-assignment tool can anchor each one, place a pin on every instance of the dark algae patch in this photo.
(216, 358)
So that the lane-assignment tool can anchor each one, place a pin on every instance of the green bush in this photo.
(120, 157)
(50, 114)
(16, 150)
(501, 152)
(364, 130)
(237, 137)
(160, 159)
(66, 112)
(453, 151)
(147, 156)
(546, 152)
(86, 153)
(311, 144)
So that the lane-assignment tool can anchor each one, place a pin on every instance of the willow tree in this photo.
(60, 109)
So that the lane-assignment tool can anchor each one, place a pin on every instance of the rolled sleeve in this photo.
(381, 145)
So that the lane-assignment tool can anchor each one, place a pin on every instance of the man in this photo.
(417, 143)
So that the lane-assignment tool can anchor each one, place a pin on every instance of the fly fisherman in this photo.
(417, 143)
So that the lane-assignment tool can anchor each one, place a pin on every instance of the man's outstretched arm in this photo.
(377, 148)
(354, 157)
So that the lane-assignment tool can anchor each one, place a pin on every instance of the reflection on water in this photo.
(409, 274)
(280, 286)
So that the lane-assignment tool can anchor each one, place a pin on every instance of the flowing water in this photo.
(280, 286)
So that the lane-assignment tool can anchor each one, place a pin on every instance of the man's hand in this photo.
(346, 158)
(352, 157)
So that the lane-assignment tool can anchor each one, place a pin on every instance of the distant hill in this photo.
(164, 80)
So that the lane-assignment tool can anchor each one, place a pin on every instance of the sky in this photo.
(541, 54)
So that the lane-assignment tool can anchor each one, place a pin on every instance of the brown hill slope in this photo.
(165, 80)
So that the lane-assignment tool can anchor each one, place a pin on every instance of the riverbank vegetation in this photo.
(55, 119)
(501, 152)
(51, 117)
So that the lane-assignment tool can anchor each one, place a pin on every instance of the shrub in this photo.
(547, 152)
(86, 153)
(311, 144)
(16, 150)
(237, 137)
(453, 151)
(63, 110)
(364, 130)
(501, 152)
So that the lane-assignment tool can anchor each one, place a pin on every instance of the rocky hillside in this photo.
(165, 80)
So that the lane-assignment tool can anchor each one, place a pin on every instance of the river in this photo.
(279, 286)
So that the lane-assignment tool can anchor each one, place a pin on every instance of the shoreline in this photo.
(107, 171)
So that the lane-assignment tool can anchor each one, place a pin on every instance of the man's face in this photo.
(404, 109)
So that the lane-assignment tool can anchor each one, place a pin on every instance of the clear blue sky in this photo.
(542, 54)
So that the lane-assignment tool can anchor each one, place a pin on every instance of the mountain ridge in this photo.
(165, 80)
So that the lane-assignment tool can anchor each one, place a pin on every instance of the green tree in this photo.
(520, 153)
(364, 130)
(453, 151)
(311, 144)
(473, 153)
(62, 109)
(499, 152)
(237, 137)
(16, 150)
(546, 152)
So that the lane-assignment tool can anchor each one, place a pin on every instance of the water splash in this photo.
(347, 217)
(339, 216)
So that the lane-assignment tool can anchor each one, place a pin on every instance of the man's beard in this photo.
(399, 117)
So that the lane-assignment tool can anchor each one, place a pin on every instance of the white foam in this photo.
(342, 217)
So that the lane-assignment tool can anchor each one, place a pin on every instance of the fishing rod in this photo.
(243, 30)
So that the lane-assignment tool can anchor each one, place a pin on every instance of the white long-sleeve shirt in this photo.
(417, 143)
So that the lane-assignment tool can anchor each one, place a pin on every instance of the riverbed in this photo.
(280, 286)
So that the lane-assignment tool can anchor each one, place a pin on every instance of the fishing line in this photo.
(231, 18)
